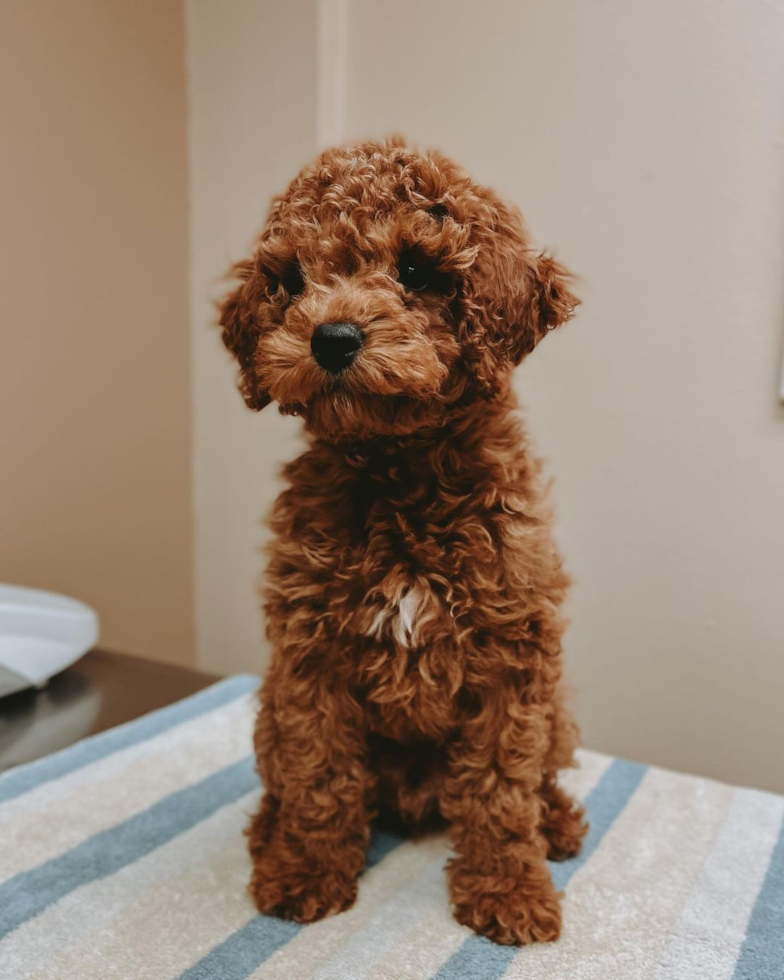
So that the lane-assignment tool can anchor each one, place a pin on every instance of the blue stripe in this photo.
(605, 804)
(762, 954)
(30, 892)
(381, 843)
(246, 949)
(481, 959)
(26, 778)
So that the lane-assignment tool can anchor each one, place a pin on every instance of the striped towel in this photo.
(123, 857)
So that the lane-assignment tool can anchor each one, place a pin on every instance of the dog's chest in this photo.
(412, 621)
(409, 574)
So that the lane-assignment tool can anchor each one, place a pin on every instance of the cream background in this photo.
(644, 143)
(95, 433)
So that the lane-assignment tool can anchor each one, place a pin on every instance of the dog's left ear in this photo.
(552, 302)
(511, 298)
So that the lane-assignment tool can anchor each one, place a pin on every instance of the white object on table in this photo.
(41, 633)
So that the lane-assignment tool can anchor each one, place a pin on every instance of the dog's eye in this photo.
(414, 272)
(293, 280)
(438, 211)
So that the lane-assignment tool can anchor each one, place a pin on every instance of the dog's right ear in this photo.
(241, 333)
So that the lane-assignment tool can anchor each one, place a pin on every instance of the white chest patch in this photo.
(403, 617)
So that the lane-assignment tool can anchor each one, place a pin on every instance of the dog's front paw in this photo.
(508, 915)
(304, 895)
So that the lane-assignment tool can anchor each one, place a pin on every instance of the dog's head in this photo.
(386, 291)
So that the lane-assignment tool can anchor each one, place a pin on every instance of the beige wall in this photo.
(95, 489)
(643, 142)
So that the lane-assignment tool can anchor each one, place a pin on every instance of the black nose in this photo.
(335, 345)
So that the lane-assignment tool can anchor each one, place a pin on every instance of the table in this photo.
(101, 690)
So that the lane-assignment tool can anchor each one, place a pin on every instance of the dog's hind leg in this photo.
(563, 819)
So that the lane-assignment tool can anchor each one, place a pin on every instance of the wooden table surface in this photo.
(99, 691)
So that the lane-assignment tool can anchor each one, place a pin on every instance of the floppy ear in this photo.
(511, 298)
(241, 334)
(553, 301)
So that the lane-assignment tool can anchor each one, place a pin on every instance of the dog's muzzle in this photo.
(335, 345)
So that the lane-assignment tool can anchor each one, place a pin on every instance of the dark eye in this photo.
(414, 271)
(438, 211)
(293, 280)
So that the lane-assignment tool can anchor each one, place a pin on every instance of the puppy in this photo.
(413, 591)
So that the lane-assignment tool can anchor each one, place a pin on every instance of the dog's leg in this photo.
(499, 881)
(563, 821)
(308, 840)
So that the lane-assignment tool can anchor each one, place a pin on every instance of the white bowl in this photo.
(41, 633)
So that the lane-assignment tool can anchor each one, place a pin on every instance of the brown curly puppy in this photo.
(414, 588)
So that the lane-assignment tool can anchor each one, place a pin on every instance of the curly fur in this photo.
(413, 590)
